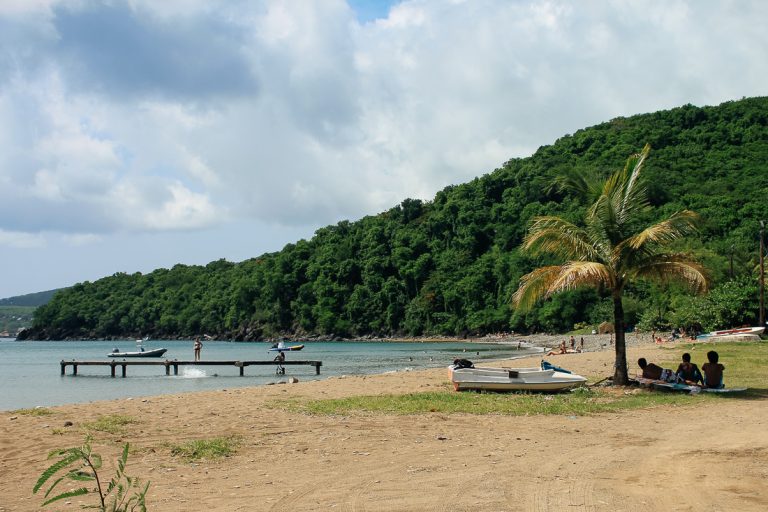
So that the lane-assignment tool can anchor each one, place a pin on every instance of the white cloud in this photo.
(298, 114)
(17, 240)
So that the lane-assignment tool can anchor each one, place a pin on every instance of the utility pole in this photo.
(762, 274)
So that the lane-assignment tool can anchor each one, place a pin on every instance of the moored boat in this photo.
(157, 352)
(546, 378)
(281, 347)
(139, 352)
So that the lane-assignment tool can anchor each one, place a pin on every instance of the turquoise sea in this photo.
(30, 372)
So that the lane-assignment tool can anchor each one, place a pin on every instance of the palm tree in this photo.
(611, 250)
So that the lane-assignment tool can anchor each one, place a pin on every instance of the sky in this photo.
(137, 134)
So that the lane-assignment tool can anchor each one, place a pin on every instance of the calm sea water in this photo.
(30, 372)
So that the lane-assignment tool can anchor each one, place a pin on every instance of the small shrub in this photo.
(121, 494)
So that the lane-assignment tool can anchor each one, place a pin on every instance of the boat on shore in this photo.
(544, 378)
(738, 334)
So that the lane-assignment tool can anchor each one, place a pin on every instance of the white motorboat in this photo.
(547, 378)
(739, 334)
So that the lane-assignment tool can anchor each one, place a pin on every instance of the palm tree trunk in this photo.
(620, 376)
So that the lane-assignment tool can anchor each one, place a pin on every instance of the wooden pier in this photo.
(168, 364)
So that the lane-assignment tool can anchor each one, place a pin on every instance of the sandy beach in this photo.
(659, 459)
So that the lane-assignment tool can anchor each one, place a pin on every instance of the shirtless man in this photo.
(713, 371)
(688, 371)
(656, 372)
(650, 370)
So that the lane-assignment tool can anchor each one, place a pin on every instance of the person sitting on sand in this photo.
(656, 372)
(713, 371)
(688, 371)
(561, 350)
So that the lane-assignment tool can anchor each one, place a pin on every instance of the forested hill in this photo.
(30, 299)
(450, 265)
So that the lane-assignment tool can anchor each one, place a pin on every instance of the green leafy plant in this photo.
(80, 464)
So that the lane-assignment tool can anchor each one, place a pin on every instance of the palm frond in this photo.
(557, 236)
(633, 191)
(533, 286)
(678, 225)
(681, 268)
(578, 182)
(575, 274)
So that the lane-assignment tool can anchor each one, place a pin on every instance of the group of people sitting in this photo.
(710, 375)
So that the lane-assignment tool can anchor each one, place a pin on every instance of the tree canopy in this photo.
(450, 265)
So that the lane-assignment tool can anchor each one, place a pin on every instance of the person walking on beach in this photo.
(573, 343)
(280, 359)
(198, 347)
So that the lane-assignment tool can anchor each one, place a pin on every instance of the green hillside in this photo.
(30, 299)
(450, 265)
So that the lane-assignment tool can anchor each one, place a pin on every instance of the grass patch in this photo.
(215, 448)
(579, 403)
(745, 365)
(745, 362)
(37, 411)
(112, 423)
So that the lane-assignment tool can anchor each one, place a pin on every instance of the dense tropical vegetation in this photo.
(451, 265)
(612, 250)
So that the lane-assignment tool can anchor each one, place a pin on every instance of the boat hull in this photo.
(287, 349)
(158, 352)
(740, 334)
(513, 379)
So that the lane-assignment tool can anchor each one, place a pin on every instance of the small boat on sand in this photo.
(139, 352)
(544, 378)
(739, 334)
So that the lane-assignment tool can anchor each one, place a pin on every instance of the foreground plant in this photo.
(80, 464)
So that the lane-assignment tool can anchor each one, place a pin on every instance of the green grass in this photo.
(745, 363)
(112, 423)
(198, 449)
(582, 402)
(38, 411)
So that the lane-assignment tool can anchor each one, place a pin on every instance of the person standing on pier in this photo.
(198, 347)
